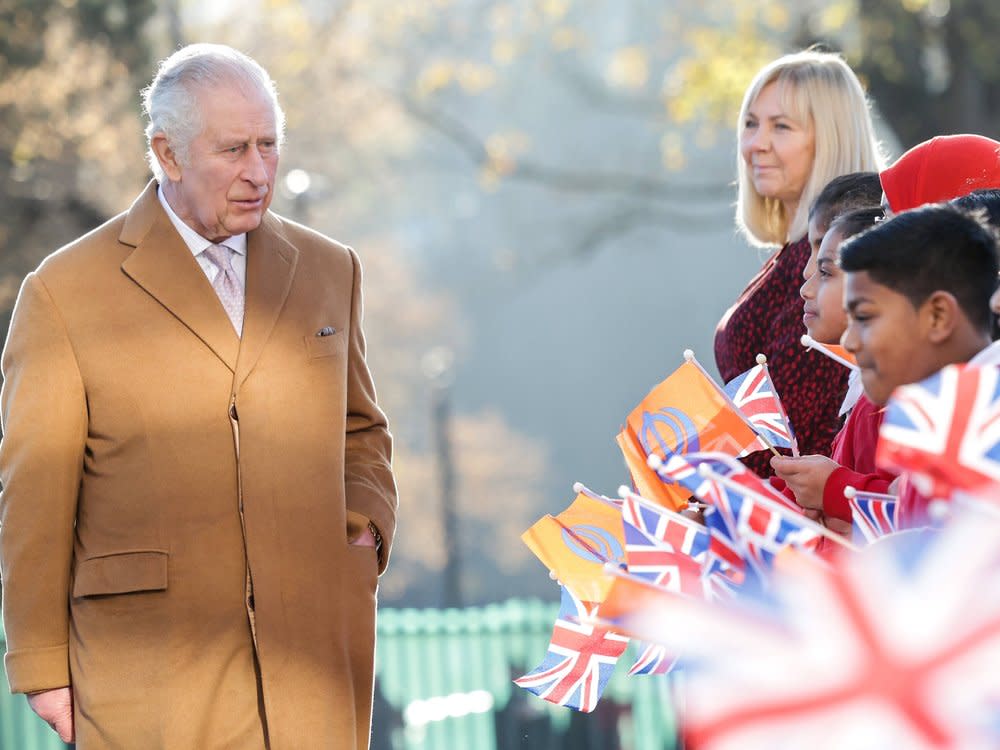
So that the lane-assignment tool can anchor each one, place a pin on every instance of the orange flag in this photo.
(647, 481)
(577, 543)
(687, 412)
(833, 351)
(841, 352)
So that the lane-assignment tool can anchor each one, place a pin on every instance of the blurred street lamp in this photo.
(297, 183)
(437, 366)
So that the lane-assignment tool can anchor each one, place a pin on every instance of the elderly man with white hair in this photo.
(197, 493)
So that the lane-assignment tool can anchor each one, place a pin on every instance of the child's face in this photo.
(885, 334)
(823, 294)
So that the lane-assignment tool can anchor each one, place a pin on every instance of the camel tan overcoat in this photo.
(153, 463)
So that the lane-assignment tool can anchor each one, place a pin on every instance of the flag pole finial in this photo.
(850, 492)
(577, 487)
(688, 355)
(654, 462)
(807, 340)
(761, 359)
(624, 491)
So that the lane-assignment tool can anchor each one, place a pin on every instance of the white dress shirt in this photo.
(196, 244)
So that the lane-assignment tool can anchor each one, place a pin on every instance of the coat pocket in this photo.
(324, 346)
(121, 573)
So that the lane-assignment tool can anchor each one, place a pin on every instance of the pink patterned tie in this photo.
(227, 284)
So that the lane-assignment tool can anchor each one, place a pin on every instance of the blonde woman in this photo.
(804, 120)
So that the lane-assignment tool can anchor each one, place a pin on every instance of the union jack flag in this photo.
(945, 431)
(841, 661)
(749, 522)
(753, 394)
(732, 564)
(731, 469)
(676, 469)
(662, 566)
(580, 659)
(767, 526)
(750, 505)
(874, 516)
(680, 533)
(668, 550)
(653, 659)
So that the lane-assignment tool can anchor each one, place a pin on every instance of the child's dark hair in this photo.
(932, 248)
(845, 193)
(982, 200)
(857, 221)
(985, 203)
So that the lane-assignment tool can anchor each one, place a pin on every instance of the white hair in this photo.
(171, 102)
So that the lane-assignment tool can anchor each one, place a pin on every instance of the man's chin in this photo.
(247, 221)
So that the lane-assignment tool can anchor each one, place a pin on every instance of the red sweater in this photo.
(854, 450)
(767, 319)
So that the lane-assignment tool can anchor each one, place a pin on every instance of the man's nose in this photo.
(254, 170)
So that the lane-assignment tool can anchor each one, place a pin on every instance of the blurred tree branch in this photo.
(68, 109)
(557, 178)
(932, 65)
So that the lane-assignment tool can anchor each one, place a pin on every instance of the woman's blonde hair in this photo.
(820, 91)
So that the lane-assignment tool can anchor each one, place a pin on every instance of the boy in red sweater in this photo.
(917, 290)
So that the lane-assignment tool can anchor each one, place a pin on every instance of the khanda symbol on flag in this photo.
(688, 412)
(668, 430)
(577, 543)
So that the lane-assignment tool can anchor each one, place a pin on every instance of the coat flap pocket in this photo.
(324, 346)
(121, 573)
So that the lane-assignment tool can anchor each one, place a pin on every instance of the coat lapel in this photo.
(164, 266)
(271, 262)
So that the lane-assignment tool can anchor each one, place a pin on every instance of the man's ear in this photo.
(166, 156)
(942, 315)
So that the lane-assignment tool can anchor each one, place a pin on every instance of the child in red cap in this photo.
(940, 169)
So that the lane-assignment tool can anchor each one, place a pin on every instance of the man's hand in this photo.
(55, 707)
(806, 476)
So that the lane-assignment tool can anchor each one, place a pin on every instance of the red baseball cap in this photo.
(945, 167)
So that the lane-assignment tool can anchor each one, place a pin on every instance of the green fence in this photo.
(444, 683)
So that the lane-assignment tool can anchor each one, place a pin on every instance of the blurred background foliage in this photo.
(541, 191)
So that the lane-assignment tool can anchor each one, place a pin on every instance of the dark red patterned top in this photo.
(767, 319)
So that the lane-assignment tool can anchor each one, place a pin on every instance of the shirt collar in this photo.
(195, 242)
